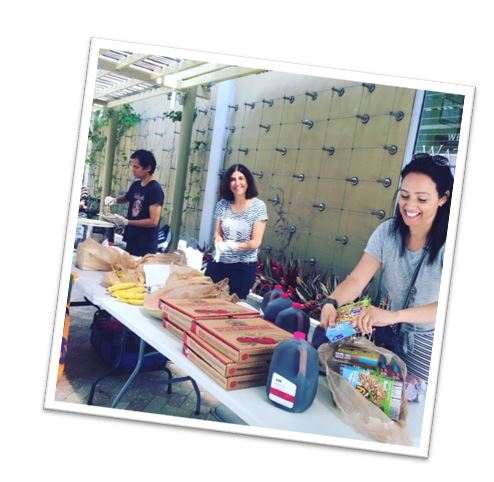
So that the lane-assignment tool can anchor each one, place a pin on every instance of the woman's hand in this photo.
(328, 316)
(373, 316)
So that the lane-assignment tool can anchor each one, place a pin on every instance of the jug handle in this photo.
(302, 367)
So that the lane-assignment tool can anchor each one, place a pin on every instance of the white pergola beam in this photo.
(218, 76)
(143, 95)
(115, 88)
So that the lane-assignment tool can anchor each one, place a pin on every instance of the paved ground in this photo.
(83, 365)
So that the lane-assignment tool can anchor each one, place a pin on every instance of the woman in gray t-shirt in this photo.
(418, 228)
(240, 224)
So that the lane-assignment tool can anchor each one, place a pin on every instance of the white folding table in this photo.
(250, 404)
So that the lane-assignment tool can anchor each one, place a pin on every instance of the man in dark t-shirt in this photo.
(145, 197)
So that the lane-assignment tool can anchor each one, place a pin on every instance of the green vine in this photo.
(126, 118)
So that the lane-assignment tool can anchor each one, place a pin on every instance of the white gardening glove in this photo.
(116, 219)
(110, 201)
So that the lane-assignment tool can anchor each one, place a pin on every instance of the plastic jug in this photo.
(275, 306)
(293, 374)
(271, 295)
(293, 319)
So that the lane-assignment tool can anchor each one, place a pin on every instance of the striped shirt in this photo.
(238, 227)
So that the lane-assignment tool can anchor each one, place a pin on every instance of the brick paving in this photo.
(146, 394)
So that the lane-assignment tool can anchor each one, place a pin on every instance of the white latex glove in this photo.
(231, 245)
(110, 201)
(116, 219)
(220, 248)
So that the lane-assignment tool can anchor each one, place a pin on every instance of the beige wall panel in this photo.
(250, 138)
(378, 102)
(283, 185)
(268, 140)
(264, 163)
(319, 109)
(252, 117)
(331, 192)
(321, 249)
(358, 229)
(335, 166)
(340, 132)
(366, 163)
(374, 133)
(270, 115)
(404, 99)
(309, 162)
(234, 140)
(347, 104)
(293, 112)
(289, 135)
(366, 196)
(313, 137)
(298, 246)
(302, 199)
(326, 224)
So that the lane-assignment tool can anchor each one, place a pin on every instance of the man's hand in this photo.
(116, 219)
(110, 201)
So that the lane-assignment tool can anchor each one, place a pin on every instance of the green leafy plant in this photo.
(198, 146)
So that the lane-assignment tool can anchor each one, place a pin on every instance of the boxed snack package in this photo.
(345, 316)
(222, 364)
(243, 340)
(384, 392)
(227, 383)
(182, 312)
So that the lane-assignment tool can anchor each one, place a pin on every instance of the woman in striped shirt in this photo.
(240, 224)
(416, 234)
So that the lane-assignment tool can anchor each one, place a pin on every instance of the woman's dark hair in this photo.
(437, 168)
(225, 190)
(146, 159)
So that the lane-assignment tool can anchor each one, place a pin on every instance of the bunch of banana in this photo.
(132, 293)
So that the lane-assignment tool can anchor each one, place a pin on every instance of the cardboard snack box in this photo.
(183, 311)
(173, 329)
(231, 383)
(243, 340)
(222, 364)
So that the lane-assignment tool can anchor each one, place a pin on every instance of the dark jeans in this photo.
(241, 276)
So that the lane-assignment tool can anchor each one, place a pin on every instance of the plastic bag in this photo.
(355, 410)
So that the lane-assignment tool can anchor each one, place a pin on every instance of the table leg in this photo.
(142, 345)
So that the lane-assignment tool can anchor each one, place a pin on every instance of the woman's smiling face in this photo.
(238, 184)
(419, 201)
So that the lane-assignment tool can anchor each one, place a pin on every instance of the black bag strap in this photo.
(415, 274)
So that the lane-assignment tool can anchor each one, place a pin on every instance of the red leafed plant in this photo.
(309, 289)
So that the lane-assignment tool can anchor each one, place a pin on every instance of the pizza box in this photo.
(231, 383)
(243, 340)
(222, 364)
(183, 311)
(173, 329)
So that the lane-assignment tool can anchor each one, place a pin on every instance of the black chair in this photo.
(164, 238)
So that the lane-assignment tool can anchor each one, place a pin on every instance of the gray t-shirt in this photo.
(385, 245)
(238, 226)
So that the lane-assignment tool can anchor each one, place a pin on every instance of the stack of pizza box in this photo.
(230, 342)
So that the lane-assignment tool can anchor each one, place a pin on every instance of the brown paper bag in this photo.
(93, 256)
(355, 409)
